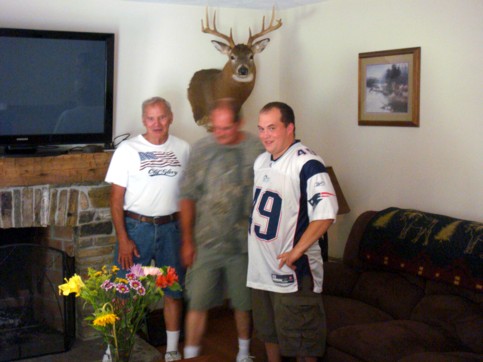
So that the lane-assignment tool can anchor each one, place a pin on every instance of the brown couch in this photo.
(409, 288)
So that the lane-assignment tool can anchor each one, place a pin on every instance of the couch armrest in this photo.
(351, 250)
(339, 279)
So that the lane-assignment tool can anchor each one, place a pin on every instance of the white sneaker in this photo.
(246, 359)
(172, 356)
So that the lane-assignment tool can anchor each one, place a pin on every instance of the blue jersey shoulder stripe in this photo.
(311, 168)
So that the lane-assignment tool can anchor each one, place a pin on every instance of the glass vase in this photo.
(123, 352)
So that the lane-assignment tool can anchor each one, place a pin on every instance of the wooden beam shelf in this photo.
(70, 168)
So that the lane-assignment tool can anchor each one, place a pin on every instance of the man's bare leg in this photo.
(195, 326)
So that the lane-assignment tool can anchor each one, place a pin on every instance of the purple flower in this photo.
(130, 276)
(107, 285)
(135, 284)
(122, 288)
(137, 270)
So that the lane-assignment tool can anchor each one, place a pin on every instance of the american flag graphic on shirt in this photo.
(158, 159)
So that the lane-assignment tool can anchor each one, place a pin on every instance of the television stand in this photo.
(22, 150)
(33, 151)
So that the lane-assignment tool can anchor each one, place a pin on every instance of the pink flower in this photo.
(151, 270)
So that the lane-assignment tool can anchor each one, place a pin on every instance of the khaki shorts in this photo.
(214, 277)
(294, 321)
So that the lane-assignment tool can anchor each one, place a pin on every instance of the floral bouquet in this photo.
(119, 304)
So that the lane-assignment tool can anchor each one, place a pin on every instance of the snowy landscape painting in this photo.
(389, 87)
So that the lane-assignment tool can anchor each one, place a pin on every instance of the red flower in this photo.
(167, 279)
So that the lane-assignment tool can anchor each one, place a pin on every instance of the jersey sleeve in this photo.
(321, 197)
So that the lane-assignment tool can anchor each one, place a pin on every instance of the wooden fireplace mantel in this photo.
(71, 168)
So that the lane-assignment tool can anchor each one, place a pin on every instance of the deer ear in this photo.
(221, 47)
(260, 45)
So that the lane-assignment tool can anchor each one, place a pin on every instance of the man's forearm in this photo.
(187, 218)
(314, 231)
(117, 212)
(312, 234)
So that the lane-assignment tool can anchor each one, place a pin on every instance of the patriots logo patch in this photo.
(318, 197)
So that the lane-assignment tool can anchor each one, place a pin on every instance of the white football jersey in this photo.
(289, 193)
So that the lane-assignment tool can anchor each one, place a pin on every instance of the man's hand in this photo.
(289, 259)
(188, 253)
(126, 252)
(127, 247)
(314, 231)
(187, 211)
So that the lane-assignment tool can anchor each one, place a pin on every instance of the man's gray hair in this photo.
(156, 100)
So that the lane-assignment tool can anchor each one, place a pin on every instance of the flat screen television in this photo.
(56, 88)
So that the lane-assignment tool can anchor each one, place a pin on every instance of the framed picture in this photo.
(389, 88)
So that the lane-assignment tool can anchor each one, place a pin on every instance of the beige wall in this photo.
(437, 167)
(158, 48)
(311, 63)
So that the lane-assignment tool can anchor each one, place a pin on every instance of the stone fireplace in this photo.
(66, 197)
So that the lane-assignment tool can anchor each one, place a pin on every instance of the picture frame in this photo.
(389, 86)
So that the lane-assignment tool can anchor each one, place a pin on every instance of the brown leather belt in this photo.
(158, 220)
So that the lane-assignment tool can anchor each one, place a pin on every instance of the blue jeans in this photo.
(159, 242)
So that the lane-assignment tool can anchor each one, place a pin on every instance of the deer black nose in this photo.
(243, 71)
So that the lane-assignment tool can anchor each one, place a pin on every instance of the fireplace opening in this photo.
(34, 319)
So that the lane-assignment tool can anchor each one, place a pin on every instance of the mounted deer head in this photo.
(237, 79)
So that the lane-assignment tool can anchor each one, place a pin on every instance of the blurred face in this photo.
(225, 130)
(274, 135)
(157, 118)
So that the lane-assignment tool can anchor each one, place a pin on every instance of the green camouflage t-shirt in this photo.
(219, 178)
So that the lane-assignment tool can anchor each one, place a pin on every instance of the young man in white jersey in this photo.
(145, 172)
(294, 204)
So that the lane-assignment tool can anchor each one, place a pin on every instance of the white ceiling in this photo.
(251, 4)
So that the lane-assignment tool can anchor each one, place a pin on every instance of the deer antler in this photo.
(264, 31)
(215, 32)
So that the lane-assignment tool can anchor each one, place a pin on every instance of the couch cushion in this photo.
(434, 288)
(460, 318)
(339, 279)
(390, 292)
(389, 341)
(443, 357)
(334, 355)
(432, 246)
(342, 312)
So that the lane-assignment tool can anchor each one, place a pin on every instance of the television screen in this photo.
(55, 87)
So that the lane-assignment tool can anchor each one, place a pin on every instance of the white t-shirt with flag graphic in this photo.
(150, 173)
(289, 193)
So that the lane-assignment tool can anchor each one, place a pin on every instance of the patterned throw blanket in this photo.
(432, 246)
